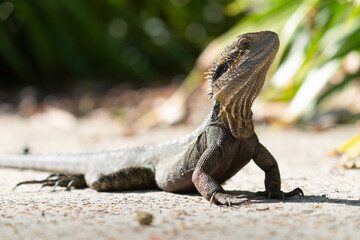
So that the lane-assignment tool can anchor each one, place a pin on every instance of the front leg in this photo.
(268, 164)
(206, 185)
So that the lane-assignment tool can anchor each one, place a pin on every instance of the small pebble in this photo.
(144, 218)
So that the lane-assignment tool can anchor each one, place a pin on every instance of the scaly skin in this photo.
(203, 160)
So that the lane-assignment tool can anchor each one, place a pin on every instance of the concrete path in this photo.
(330, 209)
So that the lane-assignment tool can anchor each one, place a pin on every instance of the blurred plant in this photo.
(323, 57)
(349, 152)
(52, 44)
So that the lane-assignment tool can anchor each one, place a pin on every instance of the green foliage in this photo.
(319, 47)
(54, 43)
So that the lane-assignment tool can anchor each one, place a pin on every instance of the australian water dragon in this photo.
(204, 159)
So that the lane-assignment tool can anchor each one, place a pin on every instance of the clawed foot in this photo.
(59, 179)
(281, 194)
(228, 199)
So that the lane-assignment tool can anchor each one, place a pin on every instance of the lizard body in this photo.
(204, 159)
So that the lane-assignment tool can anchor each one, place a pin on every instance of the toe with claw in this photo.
(58, 179)
(228, 199)
(281, 194)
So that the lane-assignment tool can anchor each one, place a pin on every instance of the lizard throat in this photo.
(236, 111)
(238, 118)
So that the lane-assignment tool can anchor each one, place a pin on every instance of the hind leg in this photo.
(124, 179)
(59, 180)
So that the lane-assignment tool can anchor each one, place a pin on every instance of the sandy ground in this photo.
(330, 209)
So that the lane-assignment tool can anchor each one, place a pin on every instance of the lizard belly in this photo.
(175, 175)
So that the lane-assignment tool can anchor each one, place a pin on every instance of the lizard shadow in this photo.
(257, 199)
(260, 200)
(305, 199)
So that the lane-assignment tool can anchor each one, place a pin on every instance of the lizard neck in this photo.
(240, 126)
(236, 112)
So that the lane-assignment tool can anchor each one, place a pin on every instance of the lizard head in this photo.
(241, 69)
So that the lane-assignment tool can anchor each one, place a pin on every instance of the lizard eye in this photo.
(244, 43)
